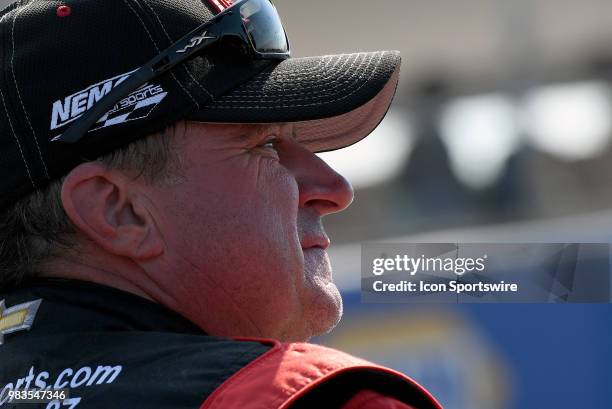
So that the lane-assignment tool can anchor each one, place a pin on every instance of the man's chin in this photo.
(326, 310)
(321, 300)
(321, 312)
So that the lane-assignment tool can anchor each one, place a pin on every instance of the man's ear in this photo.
(111, 211)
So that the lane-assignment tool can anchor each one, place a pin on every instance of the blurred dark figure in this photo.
(427, 181)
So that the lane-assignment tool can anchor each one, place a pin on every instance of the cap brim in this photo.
(335, 100)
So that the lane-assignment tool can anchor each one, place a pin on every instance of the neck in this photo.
(90, 264)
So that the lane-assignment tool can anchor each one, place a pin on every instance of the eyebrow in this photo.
(255, 131)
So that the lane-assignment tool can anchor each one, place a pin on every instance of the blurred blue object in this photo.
(560, 354)
(492, 356)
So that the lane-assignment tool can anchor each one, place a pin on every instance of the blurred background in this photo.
(501, 131)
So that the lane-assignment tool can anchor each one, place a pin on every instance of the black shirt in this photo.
(111, 349)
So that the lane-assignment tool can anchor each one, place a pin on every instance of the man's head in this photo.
(229, 234)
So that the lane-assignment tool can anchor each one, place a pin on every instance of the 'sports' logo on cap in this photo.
(137, 105)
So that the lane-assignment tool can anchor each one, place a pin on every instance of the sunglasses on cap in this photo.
(254, 23)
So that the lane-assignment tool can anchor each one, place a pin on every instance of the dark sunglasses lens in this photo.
(264, 26)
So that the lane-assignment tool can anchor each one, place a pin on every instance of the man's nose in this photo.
(320, 187)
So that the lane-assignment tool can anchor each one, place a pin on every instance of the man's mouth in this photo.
(316, 265)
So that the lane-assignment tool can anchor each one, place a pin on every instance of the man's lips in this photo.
(315, 241)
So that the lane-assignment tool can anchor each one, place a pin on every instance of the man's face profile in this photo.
(242, 246)
(245, 229)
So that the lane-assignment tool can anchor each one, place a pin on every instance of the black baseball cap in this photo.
(60, 57)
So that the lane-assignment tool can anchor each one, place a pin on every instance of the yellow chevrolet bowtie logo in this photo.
(17, 318)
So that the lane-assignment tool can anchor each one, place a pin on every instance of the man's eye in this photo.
(271, 144)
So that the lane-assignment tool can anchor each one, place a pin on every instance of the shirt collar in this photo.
(77, 305)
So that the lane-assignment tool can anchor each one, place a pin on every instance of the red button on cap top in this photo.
(63, 11)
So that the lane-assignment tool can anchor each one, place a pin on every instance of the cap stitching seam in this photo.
(255, 86)
(256, 79)
(303, 105)
(352, 75)
(266, 75)
(170, 39)
(158, 50)
(260, 78)
(25, 162)
(301, 74)
(244, 95)
(350, 78)
(321, 59)
(19, 93)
